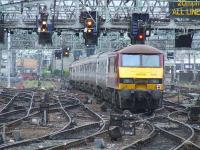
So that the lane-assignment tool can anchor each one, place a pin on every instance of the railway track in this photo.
(179, 129)
(164, 111)
(74, 125)
(31, 126)
(159, 139)
(182, 116)
(167, 134)
(73, 131)
(17, 107)
(19, 101)
(12, 116)
(180, 99)
(142, 129)
(26, 121)
(81, 115)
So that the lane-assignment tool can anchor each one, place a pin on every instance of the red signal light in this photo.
(140, 37)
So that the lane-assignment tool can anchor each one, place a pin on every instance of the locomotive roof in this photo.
(140, 49)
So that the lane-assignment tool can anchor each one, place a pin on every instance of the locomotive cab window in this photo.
(130, 60)
(150, 60)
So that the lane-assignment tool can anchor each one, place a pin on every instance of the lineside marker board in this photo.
(184, 8)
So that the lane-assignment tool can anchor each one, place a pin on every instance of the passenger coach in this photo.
(130, 78)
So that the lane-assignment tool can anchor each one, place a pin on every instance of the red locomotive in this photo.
(130, 78)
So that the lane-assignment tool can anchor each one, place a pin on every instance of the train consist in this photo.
(130, 78)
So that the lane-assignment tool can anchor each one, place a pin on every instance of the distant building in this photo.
(27, 63)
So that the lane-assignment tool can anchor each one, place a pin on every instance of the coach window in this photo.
(80, 68)
(85, 68)
(90, 67)
(111, 66)
(94, 67)
(101, 69)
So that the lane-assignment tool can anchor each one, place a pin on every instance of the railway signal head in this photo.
(43, 26)
(66, 52)
(140, 37)
(91, 22)
(44, 22)
(89, 25)
(139, 24)
(170, 55)
(90, 32)
(57, 54)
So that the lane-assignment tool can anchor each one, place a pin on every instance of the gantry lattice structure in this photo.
(115, 18)
(114, 13)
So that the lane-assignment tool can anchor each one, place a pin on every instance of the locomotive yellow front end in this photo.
(141, 78)
(140, 82)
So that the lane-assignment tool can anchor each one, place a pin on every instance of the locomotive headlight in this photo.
(127, 80)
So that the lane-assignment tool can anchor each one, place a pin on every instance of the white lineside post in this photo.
(194, 71)
(4, 132)
(62, 71)
(9, 59)
(45, 117)
(175, 66)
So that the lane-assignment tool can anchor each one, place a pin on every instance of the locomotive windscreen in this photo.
(130, 60)
(140, 60)
(150, 60)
